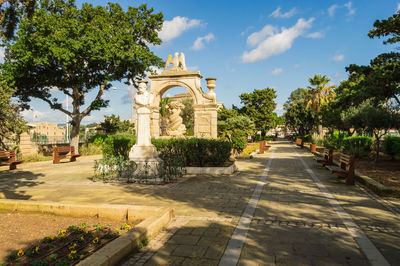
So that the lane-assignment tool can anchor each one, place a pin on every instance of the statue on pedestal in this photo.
(178, 62)
(144, 153)
(175, 124)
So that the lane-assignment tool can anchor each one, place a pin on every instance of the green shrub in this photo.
(239, 140)
(306, 138)
(358, 146)
(113, 167)
(97, 139)
(194, 151)
(391, 146)
(335, 139)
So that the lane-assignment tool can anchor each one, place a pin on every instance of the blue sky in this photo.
(256, 44)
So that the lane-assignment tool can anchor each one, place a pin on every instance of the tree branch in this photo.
(397, 99)
(55, 106)
(98, 97)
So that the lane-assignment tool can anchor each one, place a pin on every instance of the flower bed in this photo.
(68, 246)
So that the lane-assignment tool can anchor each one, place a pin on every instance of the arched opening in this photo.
(174, 122)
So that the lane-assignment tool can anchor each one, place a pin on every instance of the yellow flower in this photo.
(51, 237)
(82, 238)
(61, 233)
(20, 253)
(73, 251)
(96, 240)
(37, 249)
(72, 247)
(86, 231)
(70, 256)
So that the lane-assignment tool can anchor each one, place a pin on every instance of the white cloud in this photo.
(349, 5)
(174, 28)
(277, 43)
(331, 10)
(351, 10)
(276, 71)
(51, 116)
(257, 37)
(277, 13)
(296, 65)
(199, 42)
(338, 58)
(315, 35)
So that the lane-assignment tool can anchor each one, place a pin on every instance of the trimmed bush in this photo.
(391, 146)
(358, 146)
(194, 151)
(114, 145)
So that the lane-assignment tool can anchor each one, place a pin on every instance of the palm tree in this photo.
(319, 95)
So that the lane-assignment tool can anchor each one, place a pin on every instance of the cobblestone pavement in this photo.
(294, 222)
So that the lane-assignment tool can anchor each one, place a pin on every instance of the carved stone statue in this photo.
(178, 62)
(175, 123)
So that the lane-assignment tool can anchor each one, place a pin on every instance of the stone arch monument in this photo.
(205, 105)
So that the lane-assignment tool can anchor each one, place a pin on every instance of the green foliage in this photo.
(359, 146)
(187, 115)
(391, 146)
(306, 138)
(225, 113)
(37, 157)
(298, 118)
(90, 149)
(236, 129)
(335, 139)
(11, 122)
(78, 51)
(113, 124)
(387, 27)
(10, 14)
(112, 167)
(194, 151)
(115, 145)
(321, 94)
(259, 106)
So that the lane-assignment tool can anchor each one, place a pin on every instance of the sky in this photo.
(251, 45)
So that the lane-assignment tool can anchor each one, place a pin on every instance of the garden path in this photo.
(276, 199)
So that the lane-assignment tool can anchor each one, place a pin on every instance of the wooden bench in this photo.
(346, 169)
(11, 158)
(263, 147)
(327, 158)
(63, 152)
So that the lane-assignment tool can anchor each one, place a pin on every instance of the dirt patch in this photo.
(22, 230)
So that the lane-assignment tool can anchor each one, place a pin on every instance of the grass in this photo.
(36, 158)
(89, 149)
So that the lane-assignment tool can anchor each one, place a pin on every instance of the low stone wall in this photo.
(212, 170)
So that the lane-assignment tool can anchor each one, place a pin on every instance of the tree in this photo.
(187, 114)
(113, 124)
(76, 51)
(11, 122)
(259, 106)
(10, 14)
(298, 118)
(376, 119)
(381, 79)
(225, 113)
(320, 95)
(236, 130)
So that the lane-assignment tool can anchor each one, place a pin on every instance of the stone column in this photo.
(205, 120)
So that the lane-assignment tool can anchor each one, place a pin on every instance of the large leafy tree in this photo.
(76, 51)
(380, 79)
(11, 122)
(10, 14)
(259, 106)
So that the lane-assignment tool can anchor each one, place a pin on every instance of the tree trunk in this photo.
(75, 133)
(377, 146)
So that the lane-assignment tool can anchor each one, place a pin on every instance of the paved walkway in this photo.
(282, 208)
